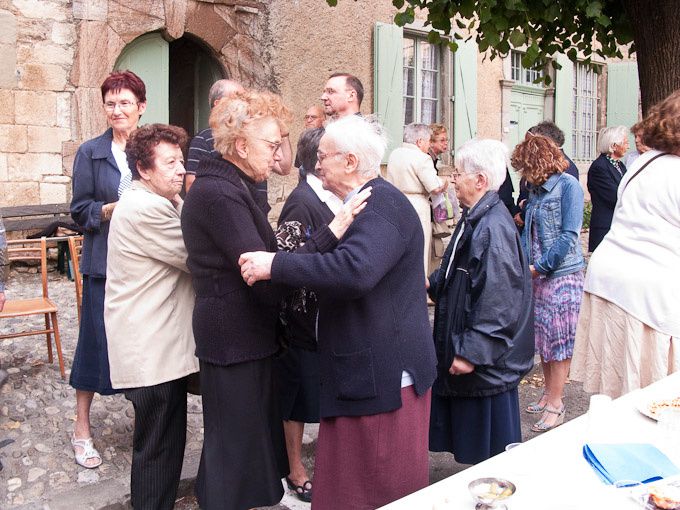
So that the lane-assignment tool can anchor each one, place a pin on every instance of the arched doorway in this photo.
(178, 76)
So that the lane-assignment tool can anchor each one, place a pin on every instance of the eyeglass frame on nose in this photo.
(274, 146)
(110, 106)
(312, 117)
(320, 156)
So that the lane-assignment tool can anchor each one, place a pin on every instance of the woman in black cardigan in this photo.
(244, 456)
(604, 176)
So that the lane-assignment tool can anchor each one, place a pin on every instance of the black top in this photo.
(484, 310)
(373, 320)
(603, 184)
(220, 221)
(304, 206)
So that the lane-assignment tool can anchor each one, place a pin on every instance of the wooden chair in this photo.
(34, 249)
(75, 248)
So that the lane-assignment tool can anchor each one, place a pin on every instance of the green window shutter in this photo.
(622, 95)
(148, 57)
(465, 93)
(564, 100)
(388, 79)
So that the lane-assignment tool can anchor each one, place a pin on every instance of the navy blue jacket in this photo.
(95, 182)
(603, 184)
(488, 316)
(373, 320)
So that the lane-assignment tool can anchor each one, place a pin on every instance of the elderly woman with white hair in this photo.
(411, 170)
(604, 176)
(483, 329)
(377, 360)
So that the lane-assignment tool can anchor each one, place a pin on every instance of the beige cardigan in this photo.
(149, 297)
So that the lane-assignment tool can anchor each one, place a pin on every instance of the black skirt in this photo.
(244, 453)
(297, 381)
(474, 428)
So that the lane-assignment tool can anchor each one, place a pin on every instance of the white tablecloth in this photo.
(549, 471)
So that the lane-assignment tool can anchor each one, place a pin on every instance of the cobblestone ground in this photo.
(37, 413)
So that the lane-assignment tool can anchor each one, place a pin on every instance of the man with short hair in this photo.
(315, 117)
(411, 170)
(342, 95)
(202, 145)
(439, 142)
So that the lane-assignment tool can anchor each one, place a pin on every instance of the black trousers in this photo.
(158, 443)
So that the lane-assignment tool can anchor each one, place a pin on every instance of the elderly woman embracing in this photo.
(148, 306)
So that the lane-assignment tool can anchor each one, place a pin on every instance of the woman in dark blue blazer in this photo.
(100, 175)
(604, 176)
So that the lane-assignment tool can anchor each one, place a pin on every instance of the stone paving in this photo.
(37, 413)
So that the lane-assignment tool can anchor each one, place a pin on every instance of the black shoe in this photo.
(303, 492)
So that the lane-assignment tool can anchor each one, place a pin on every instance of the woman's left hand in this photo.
(256, 266)
(346, 215)
(460, 366)
(534, 273)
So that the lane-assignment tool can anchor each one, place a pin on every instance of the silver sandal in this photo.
(89, 452)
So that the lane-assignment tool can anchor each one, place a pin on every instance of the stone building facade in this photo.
(54, 54)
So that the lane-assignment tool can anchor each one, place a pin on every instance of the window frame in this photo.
(442, 83)
(585, 112)
(523, 76)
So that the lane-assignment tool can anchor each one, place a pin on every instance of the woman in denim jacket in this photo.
(554, 214)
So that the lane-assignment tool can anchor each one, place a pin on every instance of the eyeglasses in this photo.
(109, 106)
(320, 156)
(274, 146)
(311, 117)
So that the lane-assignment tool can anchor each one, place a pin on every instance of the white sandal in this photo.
(89, 452)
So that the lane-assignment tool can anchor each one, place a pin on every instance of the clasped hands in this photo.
(257, 265)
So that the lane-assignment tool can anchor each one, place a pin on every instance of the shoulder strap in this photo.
(642, 168)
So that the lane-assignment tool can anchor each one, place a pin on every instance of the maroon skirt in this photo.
(364, 462)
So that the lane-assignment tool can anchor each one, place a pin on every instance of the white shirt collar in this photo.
(332, 201)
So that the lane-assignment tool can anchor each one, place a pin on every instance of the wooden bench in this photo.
(35, 217)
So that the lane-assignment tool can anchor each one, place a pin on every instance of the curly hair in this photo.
(537, 158)
(234, 117)
(549, 129)
(437, 129)
(140, 147)
(119, 80)
(660, 129)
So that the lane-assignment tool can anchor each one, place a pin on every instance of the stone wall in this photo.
(54, 55)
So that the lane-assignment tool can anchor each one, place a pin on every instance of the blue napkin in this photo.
(641, 462)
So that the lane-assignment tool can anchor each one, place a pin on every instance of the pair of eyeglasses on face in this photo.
(109, 106)
(274, 146)
(320, 156)
(311, 117)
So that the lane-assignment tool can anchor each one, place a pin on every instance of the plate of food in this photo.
(653, 406)
(663, 496)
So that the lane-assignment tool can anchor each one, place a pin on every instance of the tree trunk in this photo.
(656, 28)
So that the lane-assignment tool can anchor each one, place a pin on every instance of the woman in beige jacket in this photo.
(147, 312)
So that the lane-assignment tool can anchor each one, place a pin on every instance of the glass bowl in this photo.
(490, 493)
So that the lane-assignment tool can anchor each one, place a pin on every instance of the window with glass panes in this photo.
(522, 75)
(584, 113)
(422, 64)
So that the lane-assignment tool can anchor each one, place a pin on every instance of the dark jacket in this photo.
(304, 206)
(232, 322)
(95, 182)
(484, 311)
(373, 320)
(603, 184)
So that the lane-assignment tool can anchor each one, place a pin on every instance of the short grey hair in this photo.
(414, 132)
(362, 136)
(609, 136)
(483, 156)
(223, 88)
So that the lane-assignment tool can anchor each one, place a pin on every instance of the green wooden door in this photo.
(206, 73)
(623, 95)
(148, 57)
(388, 101)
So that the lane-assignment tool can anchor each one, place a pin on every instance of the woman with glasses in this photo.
(100, 175)
(483, 329)
(244, 454)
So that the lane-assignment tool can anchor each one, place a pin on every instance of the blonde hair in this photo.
(237, 116)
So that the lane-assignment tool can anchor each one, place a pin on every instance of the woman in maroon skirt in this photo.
(376, 356)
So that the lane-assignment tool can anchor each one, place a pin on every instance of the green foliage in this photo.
(587, 211)
(546, 26)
